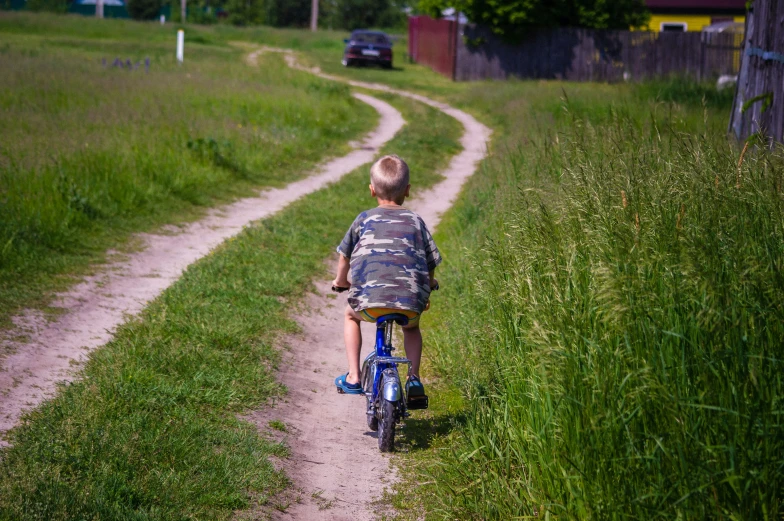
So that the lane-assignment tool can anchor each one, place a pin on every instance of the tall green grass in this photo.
(616, 325)
(91, 153)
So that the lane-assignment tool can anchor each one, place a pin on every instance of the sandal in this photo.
(415, 387)
(345, 387)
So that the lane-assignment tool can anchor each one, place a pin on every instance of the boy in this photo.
(392, 259)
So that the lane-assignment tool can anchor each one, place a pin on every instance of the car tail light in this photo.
(386, 52)
(354, 50)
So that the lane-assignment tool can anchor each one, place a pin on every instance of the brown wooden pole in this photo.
(314, 6)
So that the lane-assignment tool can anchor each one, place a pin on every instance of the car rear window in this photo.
(369, 38)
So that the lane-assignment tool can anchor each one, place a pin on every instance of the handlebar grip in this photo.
(339, 289)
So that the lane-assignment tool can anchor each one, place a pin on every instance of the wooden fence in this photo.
(593, 55)
(572, 54)
(759, 98)
(433, 43)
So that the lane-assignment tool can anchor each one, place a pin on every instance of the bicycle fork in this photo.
(381, 377)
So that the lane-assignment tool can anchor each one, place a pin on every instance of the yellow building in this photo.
(693, 15)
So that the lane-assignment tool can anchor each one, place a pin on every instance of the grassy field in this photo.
(151, 431)
(607, 344)
(91, 153)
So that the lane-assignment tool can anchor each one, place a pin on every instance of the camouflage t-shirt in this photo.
(391, 253)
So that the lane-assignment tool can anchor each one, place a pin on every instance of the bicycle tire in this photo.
(372, 423)
(386, 427)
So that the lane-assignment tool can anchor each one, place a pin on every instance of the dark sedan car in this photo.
(368, 47)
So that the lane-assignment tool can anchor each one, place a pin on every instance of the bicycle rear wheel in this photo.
(386, 427)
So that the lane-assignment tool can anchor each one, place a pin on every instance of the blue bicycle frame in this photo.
(384, 391)
(384, 361)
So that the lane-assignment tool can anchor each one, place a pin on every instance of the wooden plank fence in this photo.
(759, 98)
(575, 54)
(433, 43)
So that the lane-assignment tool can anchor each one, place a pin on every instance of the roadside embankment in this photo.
(608, 337)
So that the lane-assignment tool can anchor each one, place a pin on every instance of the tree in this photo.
(508, 18)
(363, 14)
(246, 12)
(288, 13)
(55, 6)
(144, 9)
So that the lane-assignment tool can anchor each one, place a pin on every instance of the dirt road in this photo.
(335, 464)
(96, 306)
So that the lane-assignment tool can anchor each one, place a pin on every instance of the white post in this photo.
(163, 19)
(99, 8)
(314, 15)
(180, 44)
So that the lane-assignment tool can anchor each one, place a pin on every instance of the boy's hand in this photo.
(433, 284)
(341, 283)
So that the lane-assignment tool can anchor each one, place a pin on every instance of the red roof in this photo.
(696, 4)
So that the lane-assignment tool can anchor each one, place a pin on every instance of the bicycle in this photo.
(387, 398)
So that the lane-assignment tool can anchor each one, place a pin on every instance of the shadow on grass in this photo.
(419, 432)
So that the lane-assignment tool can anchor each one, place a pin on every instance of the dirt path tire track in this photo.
(335, 464)
(101, 302)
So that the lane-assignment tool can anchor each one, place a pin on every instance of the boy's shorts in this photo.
(373, 314)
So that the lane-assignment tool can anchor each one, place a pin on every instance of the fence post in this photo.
(701, 72)
(455, 29)
(180, 45)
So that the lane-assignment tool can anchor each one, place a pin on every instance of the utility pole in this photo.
(183, 10)
(99, 8)
(313, 15)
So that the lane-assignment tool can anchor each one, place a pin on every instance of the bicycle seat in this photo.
(397, 317)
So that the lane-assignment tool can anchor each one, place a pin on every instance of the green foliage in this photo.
(685, 91)
(615, 324)
(247, 12)
(54, 6)
(510, 18)
(202, 13)
(144, 9)
(288, 13)
(364, 14)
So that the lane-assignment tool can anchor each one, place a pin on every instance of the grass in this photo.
(151, 430)
(613, 327)
(606, 345)
(90, 154)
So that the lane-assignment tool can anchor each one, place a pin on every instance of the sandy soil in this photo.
(53, 351)
(335, 463)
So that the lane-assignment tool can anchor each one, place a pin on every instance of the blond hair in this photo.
(389, 177)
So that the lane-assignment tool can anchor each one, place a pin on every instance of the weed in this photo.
(278, 425)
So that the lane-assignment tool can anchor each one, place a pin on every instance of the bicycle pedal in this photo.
(340, 391)
(417, 402)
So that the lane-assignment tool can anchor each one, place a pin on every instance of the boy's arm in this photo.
(433, 280)
(341, 279)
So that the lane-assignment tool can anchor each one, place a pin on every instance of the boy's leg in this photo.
(352, 334)
(412, 341)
